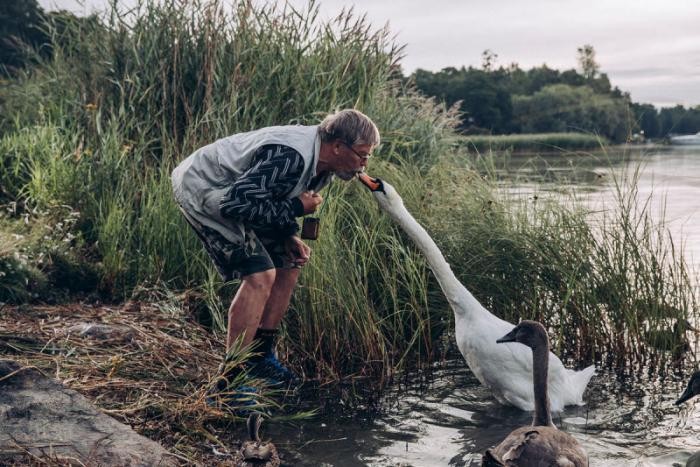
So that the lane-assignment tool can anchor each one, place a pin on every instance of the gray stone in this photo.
(41, 417)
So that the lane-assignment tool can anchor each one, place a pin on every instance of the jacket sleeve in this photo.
(258, 198)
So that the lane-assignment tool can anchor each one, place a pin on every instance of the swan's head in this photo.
(383, 192)
(692, 390)
(530, 333)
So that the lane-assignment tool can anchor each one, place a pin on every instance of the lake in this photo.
(669, 179)
(450, 419)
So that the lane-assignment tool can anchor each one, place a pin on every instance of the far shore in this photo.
(548, 142)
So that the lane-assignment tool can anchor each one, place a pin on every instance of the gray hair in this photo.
(351, 126)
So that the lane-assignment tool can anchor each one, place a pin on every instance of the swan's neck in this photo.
(540, 367)
(453, 289)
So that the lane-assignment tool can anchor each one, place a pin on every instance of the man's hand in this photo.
(298, 251)
(311, 201)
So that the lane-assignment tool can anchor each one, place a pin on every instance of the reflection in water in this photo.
(453, 419)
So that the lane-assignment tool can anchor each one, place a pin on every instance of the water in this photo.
(669, 179)
(452, 419)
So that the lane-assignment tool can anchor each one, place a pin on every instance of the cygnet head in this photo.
(530, 333)
(692, 390)
(383, 192)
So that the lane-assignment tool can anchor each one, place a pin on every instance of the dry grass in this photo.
(149, 368)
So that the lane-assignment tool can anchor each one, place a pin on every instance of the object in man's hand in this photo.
(309, 228)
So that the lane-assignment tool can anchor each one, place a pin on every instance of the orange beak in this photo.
(371, 183)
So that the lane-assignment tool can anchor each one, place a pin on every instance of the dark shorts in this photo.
(255, 253)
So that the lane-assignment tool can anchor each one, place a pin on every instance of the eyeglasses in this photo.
(362, 157)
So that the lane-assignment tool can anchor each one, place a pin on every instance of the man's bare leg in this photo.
(278, 302)
(247, 306)
(265, 364)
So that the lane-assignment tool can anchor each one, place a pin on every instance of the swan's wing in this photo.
(505, 368)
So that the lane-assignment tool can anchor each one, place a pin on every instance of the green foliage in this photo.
(562, 108)
(15, 275)
(647, 119)
(678, 120)
(41, 258)
(483, 100)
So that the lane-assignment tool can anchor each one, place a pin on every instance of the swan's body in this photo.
(540, 444)
(505, 369)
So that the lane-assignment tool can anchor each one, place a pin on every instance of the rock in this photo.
(41, 417)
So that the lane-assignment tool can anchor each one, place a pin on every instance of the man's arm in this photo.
(257, 198)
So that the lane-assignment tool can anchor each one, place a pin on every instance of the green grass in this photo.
(541, 142)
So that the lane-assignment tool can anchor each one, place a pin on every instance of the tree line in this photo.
(499, 100)
(491, 100)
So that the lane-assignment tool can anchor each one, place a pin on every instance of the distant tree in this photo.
(572, 78)
(484, 101)
(540, 77)
(587, 62)
(601, 84)
(488, 60)
(679, 120)
(647, 118)
(562, 108)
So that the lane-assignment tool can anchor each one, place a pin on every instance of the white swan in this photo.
(505, 369)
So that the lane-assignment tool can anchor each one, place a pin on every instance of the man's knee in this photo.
(261, 281)
(290, 275)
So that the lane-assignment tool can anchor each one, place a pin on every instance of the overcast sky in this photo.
(649, 48)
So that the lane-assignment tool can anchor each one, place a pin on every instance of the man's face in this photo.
(351, 159)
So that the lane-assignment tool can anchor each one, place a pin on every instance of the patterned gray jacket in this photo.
(251, 180)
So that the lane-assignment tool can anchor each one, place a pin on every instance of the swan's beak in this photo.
(687, 394)
(374, 184)
(510, 337)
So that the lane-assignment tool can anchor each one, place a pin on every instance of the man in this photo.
(242, 194)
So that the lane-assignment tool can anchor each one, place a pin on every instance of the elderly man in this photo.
(242, 195)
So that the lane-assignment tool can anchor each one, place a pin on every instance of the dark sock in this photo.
(264, 343)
